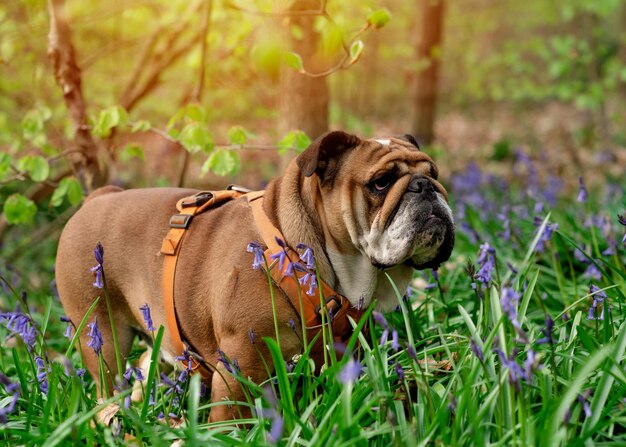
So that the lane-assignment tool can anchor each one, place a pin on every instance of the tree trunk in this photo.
(428, 53)
(303, 103)
(87, 166)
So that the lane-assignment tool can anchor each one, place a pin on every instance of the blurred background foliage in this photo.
(187, 92)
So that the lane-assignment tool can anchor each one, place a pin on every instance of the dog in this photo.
(366, 207)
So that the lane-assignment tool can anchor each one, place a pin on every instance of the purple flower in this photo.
(95, 337)
(98, 270)
(350, 372)
(547, 332)
(598, 301)
(509, 299)
(516, 373)
(546, 234)
(251, 336)
(360, 303)
(506, 224)
(22, 325)
(276, 429)
(147, 318)
(582, 193)
(477, 351)
(281, 256)
(80, 372)
(309, 278)
(395, 345)
(128, 374)
(399, 370)
(622, 221)
(231, 367)
(380, 319)
(410, 351)
(257, 250)
(42, 374)
(292, 324)
(486, 262)
(593, 272)
(12, 389)
(172, 387)
(307, 257)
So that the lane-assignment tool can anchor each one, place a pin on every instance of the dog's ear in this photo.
(411, 139)
(318, 157)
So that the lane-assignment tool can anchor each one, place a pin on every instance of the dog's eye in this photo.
(382, 183)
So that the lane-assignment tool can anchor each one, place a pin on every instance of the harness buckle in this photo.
(180, 221)
(198, 199)
(335, 302)
(238, 188)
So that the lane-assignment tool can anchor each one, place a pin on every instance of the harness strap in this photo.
(338, 308)
(309, 307)
(187, 207)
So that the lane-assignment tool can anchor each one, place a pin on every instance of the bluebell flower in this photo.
(231, 366)
(276, 430)
(147, 318)
(172, 387)
(251, 336)
(622, 221)
(395, 345)
(350, 372)
(547, 331)
(399, 370)
(95, 337)
(20, 324)
(360, 303)
(98, 270)
(12, 389)
(593, 272)
(42, 374)
(310, 279)
(546, 234)
(486, 262)
(257, 250)
(410, 351)
(582, 192)
(80, 373)
(503, 216)
(552, 189)
(598, 302)
(281, 256)
(477, 351)
(292, 324)
(509, 299)
(307, 257)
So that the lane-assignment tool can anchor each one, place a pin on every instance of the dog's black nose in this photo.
(422, 186)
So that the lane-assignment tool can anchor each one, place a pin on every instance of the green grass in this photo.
(438, 392)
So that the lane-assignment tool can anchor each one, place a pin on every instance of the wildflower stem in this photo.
(271, 283)
(116, 346)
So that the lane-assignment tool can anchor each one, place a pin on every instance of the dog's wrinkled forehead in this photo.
(405, 141)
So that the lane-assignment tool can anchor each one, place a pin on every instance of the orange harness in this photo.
(338, 308)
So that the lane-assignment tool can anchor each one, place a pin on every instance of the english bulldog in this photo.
(366, 208)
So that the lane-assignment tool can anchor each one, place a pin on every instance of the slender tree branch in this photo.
(68, 76)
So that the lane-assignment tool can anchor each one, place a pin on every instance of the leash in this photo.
(337, 307)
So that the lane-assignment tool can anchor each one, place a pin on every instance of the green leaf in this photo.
(33, 125)
(294, 61)
(295, 140)
(109, 118)
(130, 152)
(68, 187)
(140, 126)
(237, 135)
(35, 166)
(19, 209)
(222, 162)
(266, 57)
(379, 18)
(5, 165)
(195, 137)
(356, 49)
(195, 112)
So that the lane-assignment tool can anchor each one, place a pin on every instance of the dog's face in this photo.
(383, 196)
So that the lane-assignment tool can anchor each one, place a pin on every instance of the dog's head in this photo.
(383, 196)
